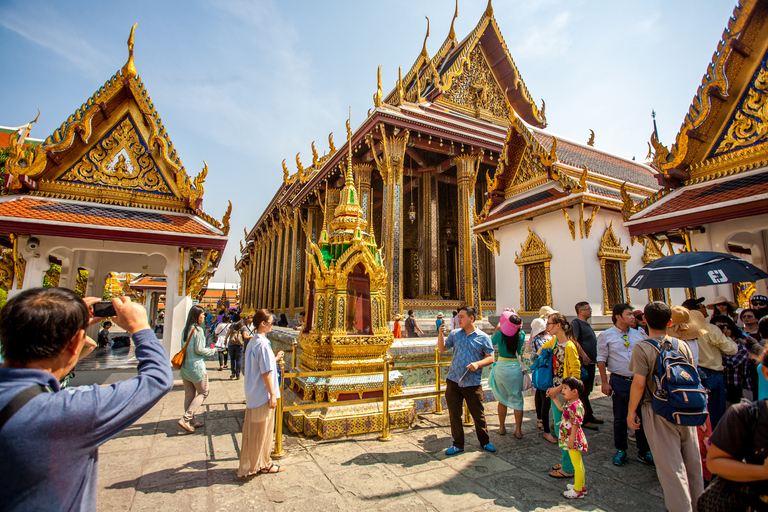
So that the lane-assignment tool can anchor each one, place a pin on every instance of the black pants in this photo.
(222, 357)
(589, 383)
(543, 406)
(454, 396)
(235, 357)
(620, 397)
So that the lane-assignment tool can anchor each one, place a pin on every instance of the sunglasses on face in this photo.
(759, 303)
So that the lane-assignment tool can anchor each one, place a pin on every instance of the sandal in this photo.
(550, 438)
(518, 435)
(502, 431)
(556, 467)
(541, 424)
(271, 469)
(558, 473)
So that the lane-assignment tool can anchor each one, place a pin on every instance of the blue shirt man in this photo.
(472, 351)
(50, 445)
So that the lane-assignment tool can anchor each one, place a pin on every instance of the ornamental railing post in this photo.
(438, 398)
(385, 404)
(278, 452)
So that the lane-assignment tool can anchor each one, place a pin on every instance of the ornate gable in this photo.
(120, 160)
(114, 149)
(476, 91)
(748, 125)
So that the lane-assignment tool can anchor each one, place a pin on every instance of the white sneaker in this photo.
(571, 494)
(571, 488)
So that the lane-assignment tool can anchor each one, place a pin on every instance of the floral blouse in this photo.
(573, 417)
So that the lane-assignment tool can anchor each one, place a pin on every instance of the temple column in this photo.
(363, 176)
(429, 278)
(252, 277)
(313, 218)
(268, 268)
(262, 285)
(390, 166)
(276, 266)
(295, 262)
(286, 265)
(467, 167)
(332, 202)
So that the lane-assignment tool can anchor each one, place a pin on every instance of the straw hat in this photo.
(538, 325)
(439, 315)
(686, 325)
(546, 311)
(722, 300)
(507, 327)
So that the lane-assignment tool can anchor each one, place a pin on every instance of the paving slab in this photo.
(155, 465)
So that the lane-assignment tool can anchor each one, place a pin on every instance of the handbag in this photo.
(527, 381)
(178, 359)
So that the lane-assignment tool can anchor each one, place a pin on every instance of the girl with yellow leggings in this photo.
(571, 436)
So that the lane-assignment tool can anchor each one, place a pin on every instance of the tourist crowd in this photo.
(692, 390)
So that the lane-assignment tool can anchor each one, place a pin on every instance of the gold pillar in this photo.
(276, 267)
(269, 266)
(253, 282)
(469, 285)
(390, 166)
(263, 281)
(429, 279)
(285, 266)
(295, 261)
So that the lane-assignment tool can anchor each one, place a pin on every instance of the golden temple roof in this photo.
(113, 149)
(432, 78)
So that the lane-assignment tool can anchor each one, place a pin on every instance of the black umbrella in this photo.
(692, 269)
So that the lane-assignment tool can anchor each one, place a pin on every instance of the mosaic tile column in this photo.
(390, 166)
(363, 178)
(254, 279)
(429, 277)
(271, 268)
(469, 283)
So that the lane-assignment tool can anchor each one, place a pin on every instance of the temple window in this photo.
(358, 307)
(535, 284)
(613, 267)
(652, 253)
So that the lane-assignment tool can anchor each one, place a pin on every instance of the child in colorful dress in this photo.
(571, 435)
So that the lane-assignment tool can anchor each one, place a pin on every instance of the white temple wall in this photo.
(575, 273)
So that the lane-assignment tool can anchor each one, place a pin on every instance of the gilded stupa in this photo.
(346, 322)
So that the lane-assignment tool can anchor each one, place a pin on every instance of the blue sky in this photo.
(245, 84)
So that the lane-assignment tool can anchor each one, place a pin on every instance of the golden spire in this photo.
(489, 9)
(452, 33)
(400, 94)
(130, 69)
(348, 215)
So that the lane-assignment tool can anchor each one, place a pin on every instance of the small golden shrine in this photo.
(346, 325)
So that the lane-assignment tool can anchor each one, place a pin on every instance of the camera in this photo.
(103, 309)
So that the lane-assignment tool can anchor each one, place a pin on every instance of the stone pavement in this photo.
(154, 466)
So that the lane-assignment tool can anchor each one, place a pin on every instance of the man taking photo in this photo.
(49, 437)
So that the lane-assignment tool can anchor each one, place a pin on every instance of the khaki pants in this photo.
(678, 461)
(194, 395)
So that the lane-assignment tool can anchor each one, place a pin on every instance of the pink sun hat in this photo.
(507, 327)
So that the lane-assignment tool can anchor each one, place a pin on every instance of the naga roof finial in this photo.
(489, 9)
(452, 32)
(130, 69)
(591, 141)
(379, 92)
(424, 46)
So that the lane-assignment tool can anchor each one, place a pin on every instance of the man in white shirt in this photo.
(614, 350)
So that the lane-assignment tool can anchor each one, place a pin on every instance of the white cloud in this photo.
(545, 41)
(49, 31)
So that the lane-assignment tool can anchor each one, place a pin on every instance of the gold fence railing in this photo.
(438, 392)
